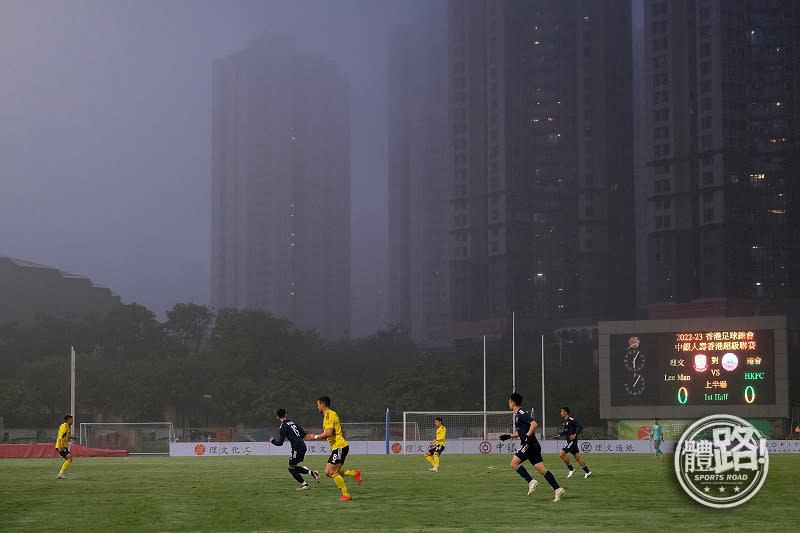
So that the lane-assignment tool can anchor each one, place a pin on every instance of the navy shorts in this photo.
(297, 457)
(338, 455)
(63, 452)
(530, 451)
(572, 447)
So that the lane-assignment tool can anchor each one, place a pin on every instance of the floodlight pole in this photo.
(543, 409)
(484, 386)
(513, 355)
(72, 385)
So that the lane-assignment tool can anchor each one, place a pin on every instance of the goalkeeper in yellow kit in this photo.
(437, 446)
(62, 444)
(332, 430)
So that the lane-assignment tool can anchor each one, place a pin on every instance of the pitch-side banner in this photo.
(230, 449)
(550, 446)
(484, 447)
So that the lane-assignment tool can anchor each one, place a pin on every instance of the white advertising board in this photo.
(485, 447)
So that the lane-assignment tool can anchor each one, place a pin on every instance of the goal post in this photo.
(482, 425)
(145, 438)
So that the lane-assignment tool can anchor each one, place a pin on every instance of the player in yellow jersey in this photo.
(62, 444)
(437, 446)
(332, 430)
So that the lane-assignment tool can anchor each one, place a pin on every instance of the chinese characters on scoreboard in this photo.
(715, 341)
(696, 350)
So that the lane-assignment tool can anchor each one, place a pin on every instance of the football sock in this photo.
(586, 468)
(429, 458)
(524, 473)
(339, 480)
(569, 467)
(303, 469)
(295, 474)
(351, 473)
(436, 462)
(551, 479)
(65, 465)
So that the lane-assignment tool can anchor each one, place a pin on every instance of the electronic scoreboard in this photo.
(674, 368)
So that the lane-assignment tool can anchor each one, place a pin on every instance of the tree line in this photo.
(202, 367)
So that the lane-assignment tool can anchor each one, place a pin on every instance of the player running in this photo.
(62, 445)
(531, 450)
(437, 446)
(289, 430)
(656, 432)
(570, 429)
(339, 447)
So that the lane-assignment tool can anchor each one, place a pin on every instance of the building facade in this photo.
(722, 110)
(541, 198)
(28, 289)
(281, 186)
(418, 180)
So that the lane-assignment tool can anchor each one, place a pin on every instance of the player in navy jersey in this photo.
(531, 450)
(570, 429)
(292, 432)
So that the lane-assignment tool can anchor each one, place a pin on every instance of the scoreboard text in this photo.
(702, 367)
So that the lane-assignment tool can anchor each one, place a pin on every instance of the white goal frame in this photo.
(85, 426)
(444, 414)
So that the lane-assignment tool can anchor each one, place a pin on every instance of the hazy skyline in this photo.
(105, 110)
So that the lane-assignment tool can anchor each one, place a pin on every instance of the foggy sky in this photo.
(105, 139)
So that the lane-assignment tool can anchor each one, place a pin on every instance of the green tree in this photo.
(249, 341)
(190, 324)
(130, 332)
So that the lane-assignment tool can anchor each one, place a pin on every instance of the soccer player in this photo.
(531, 450)
(656, 432)
(62, 445)
(290, 431)
(570, 429)
(339, 447)
(437, 446)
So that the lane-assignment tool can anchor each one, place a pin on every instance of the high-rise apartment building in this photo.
(722, 110)
(281, 186)
(541, 195)
(419, 180)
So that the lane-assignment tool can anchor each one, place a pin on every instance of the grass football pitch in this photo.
(398, 493)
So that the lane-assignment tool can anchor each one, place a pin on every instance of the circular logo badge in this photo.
(586, 447)
(199, 449)
(485, 447)
(730, 361)
(397, 447)
(721, 461)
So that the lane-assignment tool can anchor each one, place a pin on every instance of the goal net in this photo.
(136, 437)
(479, 425)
